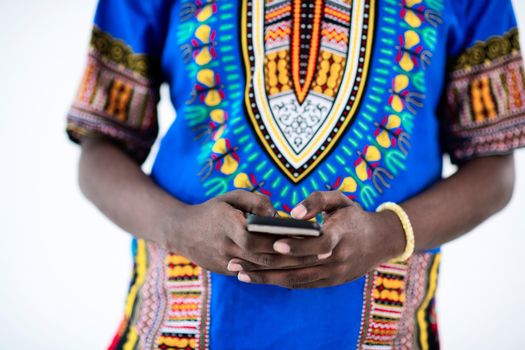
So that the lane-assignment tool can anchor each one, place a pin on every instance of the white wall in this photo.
(64, 268)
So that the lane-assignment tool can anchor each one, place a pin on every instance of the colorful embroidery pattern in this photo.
(115, 98)
(383, 306)
(167, 303)
(185, 323)
(415, 332)
(153, 300)
(399, 305)
(379, 161)
(426, 313)
(127, 334)
(206, 109)
(375, 165)
(487, 51)
(486, 99)
(118, 52)
(387, 141)
(304, 89)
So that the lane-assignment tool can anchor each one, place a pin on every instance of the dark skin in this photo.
(210, 234)
(213, 234)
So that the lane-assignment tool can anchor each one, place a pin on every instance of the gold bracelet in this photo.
(407, 227)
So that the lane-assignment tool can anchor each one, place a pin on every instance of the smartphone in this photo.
(282, 226)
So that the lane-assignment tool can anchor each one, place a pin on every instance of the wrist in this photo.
(173, 226)
(390, 234)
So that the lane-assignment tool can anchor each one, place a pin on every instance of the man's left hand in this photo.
(352, 243)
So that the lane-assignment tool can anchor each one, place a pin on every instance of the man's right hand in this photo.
(214, 232)
(210, 234)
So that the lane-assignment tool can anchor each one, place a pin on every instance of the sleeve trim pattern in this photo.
(117, 51)
(486, 100)
(116, 99)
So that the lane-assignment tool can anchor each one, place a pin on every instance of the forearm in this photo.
(456, 205)
(120, 189)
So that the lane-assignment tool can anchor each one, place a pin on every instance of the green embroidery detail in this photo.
(394, 161)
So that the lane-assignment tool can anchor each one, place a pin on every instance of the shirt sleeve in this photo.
(485, 94)
(119, 91)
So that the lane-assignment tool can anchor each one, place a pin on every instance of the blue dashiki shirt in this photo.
(287, 97)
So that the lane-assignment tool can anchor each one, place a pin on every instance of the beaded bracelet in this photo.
(407, 228)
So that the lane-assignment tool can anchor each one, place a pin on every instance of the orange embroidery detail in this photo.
(333, 12)
(483, 104)
(119, 97)
(273, 14)
(516, 95)
(302, 87)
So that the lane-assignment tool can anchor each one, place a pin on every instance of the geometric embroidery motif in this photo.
(486, 98)
(427, 335)
(116, 98)
(167, 306)
(384, 301)
(418, 325)
(303, 90)
(185, 324)
(399, 305)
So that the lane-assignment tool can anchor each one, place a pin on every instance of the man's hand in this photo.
(212, 233)
(353, 242)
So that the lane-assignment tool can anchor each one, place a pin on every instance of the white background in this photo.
(64, 268)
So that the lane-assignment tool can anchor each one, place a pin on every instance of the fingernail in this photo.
(298, 212)
(324, 256)
(281, 247)
(234, 267)
(243, 277)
